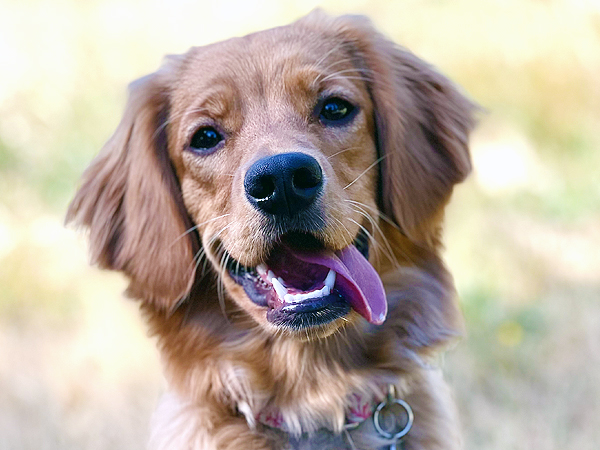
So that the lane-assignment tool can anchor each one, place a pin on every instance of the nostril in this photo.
(307, 177)
(284, 184)
(262, 187)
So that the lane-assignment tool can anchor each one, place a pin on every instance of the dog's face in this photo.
(274, 156)
(275, 151)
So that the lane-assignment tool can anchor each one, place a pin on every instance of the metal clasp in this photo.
(391, 413)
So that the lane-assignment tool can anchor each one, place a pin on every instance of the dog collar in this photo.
(359, 408)
(392, 417)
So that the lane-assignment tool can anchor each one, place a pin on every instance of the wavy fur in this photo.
(164, 216)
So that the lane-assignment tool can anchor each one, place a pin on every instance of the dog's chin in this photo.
(298, 287)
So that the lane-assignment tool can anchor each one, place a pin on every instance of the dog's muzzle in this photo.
(303, 287)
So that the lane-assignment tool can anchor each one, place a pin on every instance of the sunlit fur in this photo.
(169, 218)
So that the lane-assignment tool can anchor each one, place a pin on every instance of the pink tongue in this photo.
(356, 280)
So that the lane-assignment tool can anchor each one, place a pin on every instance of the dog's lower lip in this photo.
(248, 278)
(309, 314)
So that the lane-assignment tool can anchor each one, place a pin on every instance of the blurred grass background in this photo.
(523, 234)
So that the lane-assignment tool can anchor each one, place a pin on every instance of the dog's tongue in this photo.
(356, 280)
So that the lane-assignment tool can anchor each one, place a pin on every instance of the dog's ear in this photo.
(130, 200)
(423, 124)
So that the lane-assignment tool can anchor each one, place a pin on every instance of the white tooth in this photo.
(261, 269)
(279, 288)
(270, 275)
(330, 280)
(293, 298)
(281, 281)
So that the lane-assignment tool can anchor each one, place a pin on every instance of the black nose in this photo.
(284, 184)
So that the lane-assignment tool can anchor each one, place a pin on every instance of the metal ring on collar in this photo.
(400, 434)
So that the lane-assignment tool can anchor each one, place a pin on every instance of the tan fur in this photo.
(221, 356)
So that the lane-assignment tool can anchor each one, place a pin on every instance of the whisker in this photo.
(342, 151)
(362, 227)
(371, 238)
(195, 227)
(224, 257)
(318, 63)
(337, 63)
(171, 118)
(201, 254)
(333, 64)
(350, 78)
(340, 72)
(377, 161)
(221, 286)
(344, 228)
(388, 220)
(376, 246)
(215, 236)
(383, 216)
(360, 334)
(197, 258)
(205, 263)
(388, 248)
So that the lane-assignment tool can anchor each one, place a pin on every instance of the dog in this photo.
(276, 202)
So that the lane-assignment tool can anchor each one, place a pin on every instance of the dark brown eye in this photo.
(336, 111)
(205, 138)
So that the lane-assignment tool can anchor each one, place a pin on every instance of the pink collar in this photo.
(359, 408)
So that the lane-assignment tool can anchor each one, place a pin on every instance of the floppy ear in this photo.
(131, 202)
(422, 122)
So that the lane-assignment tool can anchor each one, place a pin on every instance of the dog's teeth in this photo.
(311, 294)
(281, 281)
(294, 298)
(279, 288)
(330, 280)
(261, 269)
(283, 294)
(323, 292)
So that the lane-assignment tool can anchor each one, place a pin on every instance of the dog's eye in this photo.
(336, 110)
(205, 138)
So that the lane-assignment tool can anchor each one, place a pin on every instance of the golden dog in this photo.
(276, 202)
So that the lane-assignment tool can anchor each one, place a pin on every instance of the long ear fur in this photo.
(423, 123)
(131, 202)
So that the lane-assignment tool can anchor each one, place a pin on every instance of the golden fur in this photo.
(163, 216)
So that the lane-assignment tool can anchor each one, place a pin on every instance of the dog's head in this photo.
(277, 157)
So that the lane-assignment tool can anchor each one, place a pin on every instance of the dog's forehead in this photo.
(264, 50)
(277, 59)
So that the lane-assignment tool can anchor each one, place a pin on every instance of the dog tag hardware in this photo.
(393, 418)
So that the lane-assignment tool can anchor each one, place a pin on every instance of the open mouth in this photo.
(304, 285)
